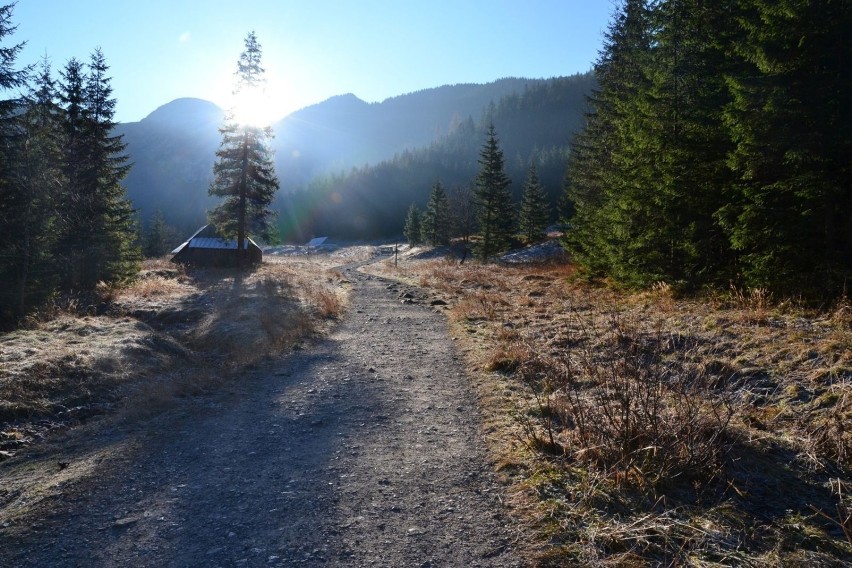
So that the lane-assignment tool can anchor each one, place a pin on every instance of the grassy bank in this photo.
(172, 333)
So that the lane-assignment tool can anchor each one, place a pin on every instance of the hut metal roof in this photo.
(206, 238)
(211, 243)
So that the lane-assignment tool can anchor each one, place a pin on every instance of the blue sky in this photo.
(160, 50)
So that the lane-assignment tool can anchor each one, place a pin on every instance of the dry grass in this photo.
(73, 364)
(655, 430)
(169, 334)
(156, 285)
(615, 402)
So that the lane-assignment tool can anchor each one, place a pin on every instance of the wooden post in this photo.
(396, 255)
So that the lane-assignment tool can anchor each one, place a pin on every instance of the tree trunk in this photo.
(241, 219)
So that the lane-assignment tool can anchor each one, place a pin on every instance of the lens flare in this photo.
(253, 107)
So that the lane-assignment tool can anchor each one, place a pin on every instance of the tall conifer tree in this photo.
(676, 149)
(597, 169)
(413, 229)
(462, 212)
(96, 227)
(790, 217)
(435, 224)
(535, 211)
(493, 200)
(244, 174)
(36, 179)
(18, 209)
(118, 254)
(72, 203)
(158, 239)
(10, 77)
(718, 147)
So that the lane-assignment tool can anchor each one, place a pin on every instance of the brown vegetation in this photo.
(170, 333)
(654, 429)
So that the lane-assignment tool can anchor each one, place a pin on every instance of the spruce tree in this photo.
(435, 224)
(462, 212)
(535, 211)
(244, 174)
(119, 255)
(36, 178)
(74, 199)
(158, 239)
(412, 230)
(96, 232)
(596, 169)
(10, 77)
(790, 214)
(493, 200)
(669, 202)
(717, 147)
(649, 173)
(24, 211)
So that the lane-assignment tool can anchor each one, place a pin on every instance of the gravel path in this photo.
(363, 449)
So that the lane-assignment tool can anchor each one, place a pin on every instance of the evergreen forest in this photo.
(66, 224)
(717, 148)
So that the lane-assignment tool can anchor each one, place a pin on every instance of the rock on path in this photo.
(362, 450)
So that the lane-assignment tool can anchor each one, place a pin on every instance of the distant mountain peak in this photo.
(346, 101)
(186, 109)
(345, 97)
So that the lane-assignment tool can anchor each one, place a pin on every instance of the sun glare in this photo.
(254, 107)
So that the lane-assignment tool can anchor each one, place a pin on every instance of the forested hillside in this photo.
(172, 151)
(535, 126)
(719, 148)
(173, 148)
(345, 132)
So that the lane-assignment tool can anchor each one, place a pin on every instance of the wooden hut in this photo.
(207, 248)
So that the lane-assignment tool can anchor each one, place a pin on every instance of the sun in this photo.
(254, 107)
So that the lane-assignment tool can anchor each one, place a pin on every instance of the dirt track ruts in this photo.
(363, 449)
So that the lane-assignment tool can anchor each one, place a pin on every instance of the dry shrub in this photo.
(325, 301)
(510, 352)
(253, 315)
(616, 403)
(841, 316)
(70, 366)
(754, 303)
(439, 275)
(663, 293)
(256, 317)
(829, 434)
(74, 304)
(843, 508)
(157, 394)
(258, 314)
(310, 281)
(161, 263)
(153, 286)
(479, 305)
(628, 408)
(166, 335)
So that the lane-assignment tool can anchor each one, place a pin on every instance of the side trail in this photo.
(363, 449)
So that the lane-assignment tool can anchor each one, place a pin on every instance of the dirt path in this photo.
(361, 450)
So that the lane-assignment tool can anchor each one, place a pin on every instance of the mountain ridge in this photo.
(173, 148)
